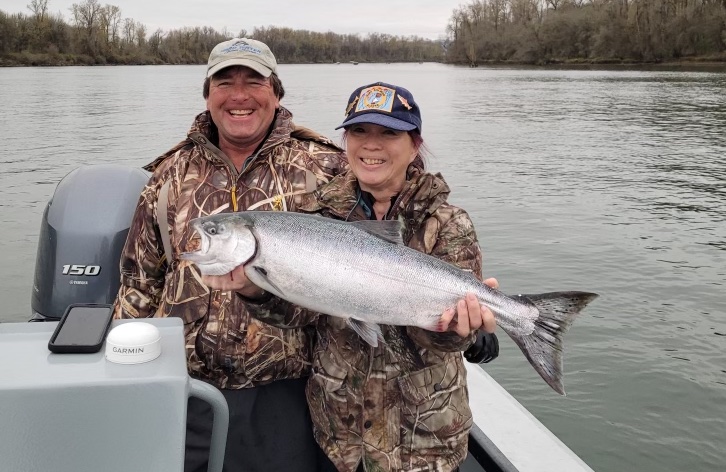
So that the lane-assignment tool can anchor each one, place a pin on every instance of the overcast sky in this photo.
(425, 18)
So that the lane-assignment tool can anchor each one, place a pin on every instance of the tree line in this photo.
(99, 34)
(483, 31)
(595, 31)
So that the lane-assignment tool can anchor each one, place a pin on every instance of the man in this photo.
(243, 152)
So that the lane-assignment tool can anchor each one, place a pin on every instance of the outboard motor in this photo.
(82, 235)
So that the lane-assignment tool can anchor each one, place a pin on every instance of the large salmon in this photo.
(362, 271)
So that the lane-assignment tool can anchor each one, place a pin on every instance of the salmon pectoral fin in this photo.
(370, 332)
(262, 272)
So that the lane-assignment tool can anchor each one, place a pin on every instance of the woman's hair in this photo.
(422, 152)
(274, 81)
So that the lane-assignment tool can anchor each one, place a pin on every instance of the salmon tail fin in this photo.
(543, 347)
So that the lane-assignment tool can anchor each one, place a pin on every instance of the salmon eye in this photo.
(213, 229)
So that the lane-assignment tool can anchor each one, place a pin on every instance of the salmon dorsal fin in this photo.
(388, 230)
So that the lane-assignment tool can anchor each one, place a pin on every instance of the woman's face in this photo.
(379, 157)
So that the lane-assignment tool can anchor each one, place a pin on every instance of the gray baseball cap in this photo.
(242, 52)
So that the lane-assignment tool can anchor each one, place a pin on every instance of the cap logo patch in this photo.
(376, 98)
(241, 46)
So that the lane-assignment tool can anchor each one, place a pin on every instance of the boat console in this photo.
(83, 412)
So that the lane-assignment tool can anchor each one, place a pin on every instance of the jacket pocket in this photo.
(435, 406)
(327, 394)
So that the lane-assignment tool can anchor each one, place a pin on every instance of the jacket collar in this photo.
(422, 194)
(203, 133)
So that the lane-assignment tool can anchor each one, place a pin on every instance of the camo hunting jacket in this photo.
(225, 347)
(404, 405)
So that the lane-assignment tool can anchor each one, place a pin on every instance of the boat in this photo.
(63, 412)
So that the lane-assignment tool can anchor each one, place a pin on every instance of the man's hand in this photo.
(236, 280)
(469, 315)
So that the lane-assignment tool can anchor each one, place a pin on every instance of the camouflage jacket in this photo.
(224, 346)
(403, 405)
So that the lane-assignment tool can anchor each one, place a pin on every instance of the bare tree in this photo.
(140, 35)
(554, 4)
(39, 28)
(110, 20)
(155, 41)
(39, 9)
(86, 16)
(523, 11)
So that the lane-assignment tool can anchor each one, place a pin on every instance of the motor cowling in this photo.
(82, 234)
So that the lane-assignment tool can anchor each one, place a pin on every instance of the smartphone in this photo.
(82, 329)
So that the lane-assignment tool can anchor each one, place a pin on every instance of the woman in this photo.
(404, 404)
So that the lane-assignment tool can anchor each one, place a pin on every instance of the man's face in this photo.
(242, 104)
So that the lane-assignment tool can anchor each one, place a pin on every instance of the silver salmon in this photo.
(362, 271)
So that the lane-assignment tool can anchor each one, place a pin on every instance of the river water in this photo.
(612, 181)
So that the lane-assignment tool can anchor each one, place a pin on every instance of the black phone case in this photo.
(79, 348)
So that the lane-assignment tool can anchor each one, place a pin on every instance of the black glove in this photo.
(484, 349)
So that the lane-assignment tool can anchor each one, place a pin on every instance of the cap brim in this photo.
(381, 120)
(264, 71)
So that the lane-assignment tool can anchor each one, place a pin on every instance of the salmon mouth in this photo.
(198, 257)
(206, 243)
(201, 255)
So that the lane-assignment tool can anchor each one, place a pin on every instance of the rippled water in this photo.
(611, 181)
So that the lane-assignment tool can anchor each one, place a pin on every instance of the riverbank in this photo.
(28, 59)
(59, 60)
(707, 60)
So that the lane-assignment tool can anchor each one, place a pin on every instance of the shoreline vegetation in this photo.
(480, 33)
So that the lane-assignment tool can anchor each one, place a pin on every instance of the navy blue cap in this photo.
(385, 105)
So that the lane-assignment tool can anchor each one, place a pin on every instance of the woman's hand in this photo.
(236, 280)
(470, 315)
